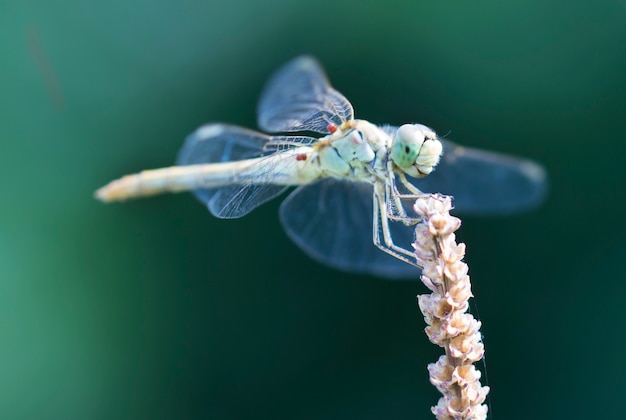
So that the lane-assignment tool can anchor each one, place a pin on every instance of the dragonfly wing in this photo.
(298, 97)
(483, 182)
(332, 222)
(213, 143)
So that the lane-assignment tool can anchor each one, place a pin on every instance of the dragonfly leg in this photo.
(412, 188)
(396, 210)
(381, 225)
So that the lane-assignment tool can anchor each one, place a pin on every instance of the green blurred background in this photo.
(154, 309)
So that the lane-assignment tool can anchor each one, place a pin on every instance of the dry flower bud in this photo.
(445, 312)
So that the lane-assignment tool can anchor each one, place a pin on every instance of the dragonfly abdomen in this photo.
(286, 168)
(173, 179)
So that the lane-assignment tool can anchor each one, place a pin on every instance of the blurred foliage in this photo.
(154, 309)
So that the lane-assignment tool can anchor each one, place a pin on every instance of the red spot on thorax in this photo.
(332, 128)
(356, 138)
(301, 156)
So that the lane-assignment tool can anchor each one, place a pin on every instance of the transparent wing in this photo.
(298, 97)
(213, 143)
(484, 182)
(332, 222)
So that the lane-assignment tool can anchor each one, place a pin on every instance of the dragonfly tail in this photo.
(148, 183)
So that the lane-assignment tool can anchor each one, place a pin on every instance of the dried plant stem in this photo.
(444, 310)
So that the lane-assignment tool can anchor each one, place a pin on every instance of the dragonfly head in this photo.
(415, 149)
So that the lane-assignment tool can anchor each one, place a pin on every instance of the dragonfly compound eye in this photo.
(407, 145)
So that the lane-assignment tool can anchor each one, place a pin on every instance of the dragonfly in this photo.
(355, 181)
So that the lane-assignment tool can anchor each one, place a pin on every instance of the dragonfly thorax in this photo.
(356, 150)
